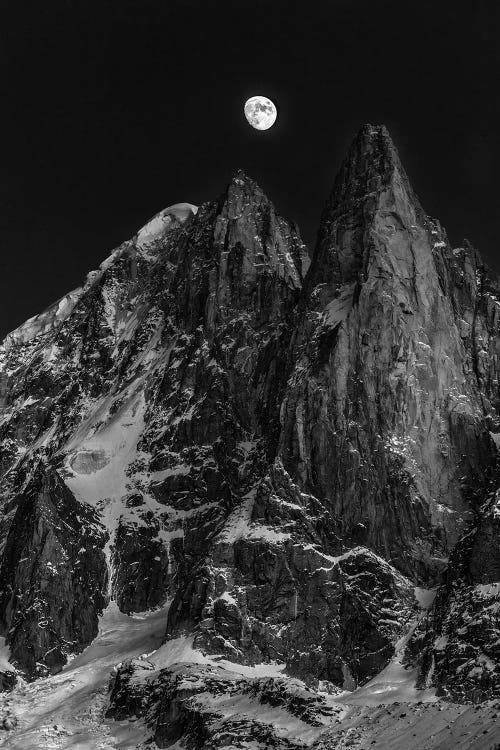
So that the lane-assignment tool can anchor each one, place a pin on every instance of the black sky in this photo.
(112, 110)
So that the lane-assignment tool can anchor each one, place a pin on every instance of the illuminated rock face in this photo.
(285, 447)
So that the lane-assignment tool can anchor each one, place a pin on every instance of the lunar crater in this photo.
(260, 112)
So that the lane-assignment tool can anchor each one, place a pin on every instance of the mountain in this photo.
(261, 487)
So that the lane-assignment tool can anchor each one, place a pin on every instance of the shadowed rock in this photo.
(284, 452)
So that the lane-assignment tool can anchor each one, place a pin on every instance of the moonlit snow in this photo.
(66, 710)
(157, 225)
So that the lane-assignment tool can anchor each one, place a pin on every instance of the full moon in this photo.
(260, 112)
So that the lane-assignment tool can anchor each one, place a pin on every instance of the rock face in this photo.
(55, 572)
(457, 645)
(384, 378)
(283, 447)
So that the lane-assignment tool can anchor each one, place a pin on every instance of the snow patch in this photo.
(39, 324)
(425, 597)
(179, 470)
(5, 665)
(180, 650)
(103, 449)
(495, 436)
(157, 226)
(88, 461)
(394, 684)
(226, 596)
(339, 308)
(239, 525)
(488, 589)
(441, 642)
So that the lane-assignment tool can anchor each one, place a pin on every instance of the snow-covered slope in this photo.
(69, 710)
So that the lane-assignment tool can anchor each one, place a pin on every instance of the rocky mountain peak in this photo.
(371, 165)
(284, 463)
(239, 177)
(370, 184)
(242, 192)
(239, 255)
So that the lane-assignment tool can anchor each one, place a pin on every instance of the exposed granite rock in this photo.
(457, 647)
(8, 680)
(283, 452)
(53, 574)
(268, 594)
(383, 419)
(140, 567)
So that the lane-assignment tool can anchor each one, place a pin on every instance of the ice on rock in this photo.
(159, 223)
(42, 323)
(338, 310)
(5, 665)
(495, 436)
(425, 597)
(88, 461)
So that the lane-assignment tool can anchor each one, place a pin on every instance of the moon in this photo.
(260, 112)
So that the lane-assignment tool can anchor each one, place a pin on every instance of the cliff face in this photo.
(147, 391)
(284, 453)
(387, 378)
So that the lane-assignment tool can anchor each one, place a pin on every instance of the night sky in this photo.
(113, 110)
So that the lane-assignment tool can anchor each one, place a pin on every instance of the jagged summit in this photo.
(242, 191)
(240, 181)
(240, 176)
(240, 256)
(372, 163)
(371, 184)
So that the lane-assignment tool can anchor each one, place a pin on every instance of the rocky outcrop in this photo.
(457, 645)
(206, 706)
(268, 593)
(7, 680)
(53, 573)
(140, 577)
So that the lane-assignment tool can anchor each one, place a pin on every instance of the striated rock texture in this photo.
(284, 447)
(54, 574)
(385, 376)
